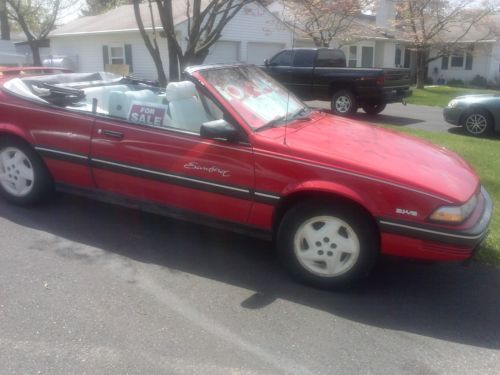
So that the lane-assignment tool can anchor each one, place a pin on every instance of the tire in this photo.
(478, 123)
(319, 259)
(24, 178)
(344, 103)
(374, 109)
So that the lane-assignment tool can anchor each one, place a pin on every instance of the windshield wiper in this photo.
(301, 114)
(273, 123)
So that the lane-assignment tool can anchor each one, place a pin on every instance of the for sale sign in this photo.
(147, 114)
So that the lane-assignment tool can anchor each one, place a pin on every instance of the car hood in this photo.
(383, 154)
(478, 98)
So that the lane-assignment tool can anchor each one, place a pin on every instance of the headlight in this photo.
(454, 214)
(453, 103)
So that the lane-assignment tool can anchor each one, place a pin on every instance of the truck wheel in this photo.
(24, 178)
(344, 103)
(373, 109)
(327, 245)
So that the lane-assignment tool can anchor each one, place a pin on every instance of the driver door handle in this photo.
(110, 133)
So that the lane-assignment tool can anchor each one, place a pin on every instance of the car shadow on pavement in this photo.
(443, 301)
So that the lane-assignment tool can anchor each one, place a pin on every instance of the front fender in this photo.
(328, 187)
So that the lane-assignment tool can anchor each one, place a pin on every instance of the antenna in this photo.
(293, 57)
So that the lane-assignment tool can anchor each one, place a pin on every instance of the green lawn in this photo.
(484, 156)
(439, 96)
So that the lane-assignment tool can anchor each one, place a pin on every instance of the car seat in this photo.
(186, 109)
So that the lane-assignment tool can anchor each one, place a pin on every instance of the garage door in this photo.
(223, 52)
(258, 52)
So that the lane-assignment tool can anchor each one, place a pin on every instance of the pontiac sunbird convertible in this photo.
(232, 148)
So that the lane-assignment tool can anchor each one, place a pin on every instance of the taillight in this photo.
(380, 81)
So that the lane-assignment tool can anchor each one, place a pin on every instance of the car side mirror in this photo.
(266, 62)
(219, 129)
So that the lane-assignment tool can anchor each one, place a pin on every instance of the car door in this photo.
(171, 168)
(280, 67)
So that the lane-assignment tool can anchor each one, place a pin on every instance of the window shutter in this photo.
(444, 62)
(468, 61)
(105, 56)
(128, 57)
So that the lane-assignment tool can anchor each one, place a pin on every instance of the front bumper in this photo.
(452, 115)
(434, 242)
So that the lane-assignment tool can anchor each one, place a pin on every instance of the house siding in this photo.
(252, 24)
(481, 65)
(88, 49)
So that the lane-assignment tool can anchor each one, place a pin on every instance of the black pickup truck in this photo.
(321, 74)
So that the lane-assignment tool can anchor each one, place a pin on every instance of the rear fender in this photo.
(13, 130)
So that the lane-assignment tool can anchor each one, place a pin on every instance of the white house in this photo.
(253, 35)
(369, 43)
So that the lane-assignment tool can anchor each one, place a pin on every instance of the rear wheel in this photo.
(478, 123)
(24, 179)
(373, 109)
(344, 103)
(327, 245)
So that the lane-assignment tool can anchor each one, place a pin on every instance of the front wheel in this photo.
(24, 179)
(344, 103)
(327, 244)
(373, 109)
(478, 123)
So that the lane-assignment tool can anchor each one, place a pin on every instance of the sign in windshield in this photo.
(253, 94)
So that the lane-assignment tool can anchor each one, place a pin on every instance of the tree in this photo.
(324, 20)
(151, 43)
(96, 7)
(4, 21)
(36, 18)
(205, 21)
(443, 27)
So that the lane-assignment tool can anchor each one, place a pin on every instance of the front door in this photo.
(152, 160)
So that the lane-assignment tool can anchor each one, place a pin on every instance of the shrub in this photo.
(478, 81)
(455, 83)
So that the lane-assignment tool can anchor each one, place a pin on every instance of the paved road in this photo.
(410, 115)
(88, 288)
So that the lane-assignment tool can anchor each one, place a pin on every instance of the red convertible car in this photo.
(231, 148)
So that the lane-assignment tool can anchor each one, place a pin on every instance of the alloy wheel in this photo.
(326, 246)
(476, 123)
(17, 175)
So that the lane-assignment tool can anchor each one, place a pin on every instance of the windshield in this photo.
(253, 94)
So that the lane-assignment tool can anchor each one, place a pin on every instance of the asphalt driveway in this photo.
(91, 288)
(410, 115)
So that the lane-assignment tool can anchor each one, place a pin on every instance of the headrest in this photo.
(180, 90)
(142, 95)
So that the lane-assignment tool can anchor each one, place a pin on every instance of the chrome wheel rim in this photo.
(17, 176)
(476, 123)
(343, 104)
(326, 246)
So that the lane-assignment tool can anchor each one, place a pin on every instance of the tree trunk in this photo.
(4, 21)
(35, 50)
(421, 68)
(173, 61)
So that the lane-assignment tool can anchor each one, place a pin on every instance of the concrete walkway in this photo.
(410, 115)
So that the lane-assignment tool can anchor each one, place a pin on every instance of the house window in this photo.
(353, 52)
(444, 62)
(117, 55)
(397, 58)
(457, 61)
(468, 61)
